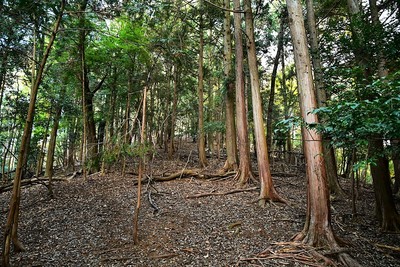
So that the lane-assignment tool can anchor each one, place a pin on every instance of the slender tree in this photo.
(268, 191)
(11, 227)
(385, 205)
(317, 229)
(329, 153)
(200, 91)
(230, 135)
(271, 101)
(244, 172)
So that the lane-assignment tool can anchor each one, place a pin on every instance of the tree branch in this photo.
(225, 9)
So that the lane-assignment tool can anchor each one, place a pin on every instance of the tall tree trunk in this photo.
(329, 153)
(273, 80)
(268, 191)
(90, 148)
(231, 144)
(11, 227)
(244, 172)
(202, 139)
(52, 146)
(385, 205)
(171, 135)
(317, 229)
(141, 167)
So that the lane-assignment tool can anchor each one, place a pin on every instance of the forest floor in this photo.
(89, 222)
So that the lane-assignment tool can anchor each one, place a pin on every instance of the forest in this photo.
(200, 133)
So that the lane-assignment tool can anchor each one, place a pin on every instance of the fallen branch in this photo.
(183, 174)
(222, 193)
(31, 182)
(164, 256)
(396, 249)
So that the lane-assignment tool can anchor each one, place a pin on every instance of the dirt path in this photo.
(90, 224)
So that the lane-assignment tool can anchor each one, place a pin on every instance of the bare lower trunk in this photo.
(202, 138)
(141, 171)
(268, 191)
(329, 154)
(231, 144)
(51, 150)
(244, 173)
(318, 229)
(385, 205)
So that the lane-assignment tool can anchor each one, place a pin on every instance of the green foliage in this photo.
(355, 116)
(214, 127)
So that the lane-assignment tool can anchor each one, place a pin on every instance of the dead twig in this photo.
(396, 249)
(165, 256)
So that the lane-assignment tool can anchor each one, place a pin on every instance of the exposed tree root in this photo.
(222, 193)
(262, 202)
(244, 178)
(301, 253)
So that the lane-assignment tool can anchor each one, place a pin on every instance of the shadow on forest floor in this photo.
(89, 223)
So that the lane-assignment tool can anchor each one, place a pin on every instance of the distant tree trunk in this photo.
(202, 140)
(329, 153)
(3, 75)
(41, 154)
(231, 144)
(273, 80)
(317, 229)
(141, 167)
(385, 205)
(127, 118)
(90, 148)
(244, 171)
(72, 136)
(268, 191)
(171, 135)
(52, 146)
(396, 166)
(11, 227)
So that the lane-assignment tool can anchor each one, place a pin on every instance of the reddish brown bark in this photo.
(317, 229)
(244, 172)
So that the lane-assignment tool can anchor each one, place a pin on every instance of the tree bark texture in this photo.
(268, 191)
(244, 173)
(231, 144)
(317, 229)
(329, 153)
(52, 148)
(201, 140)
(385, 206)
(11, 227)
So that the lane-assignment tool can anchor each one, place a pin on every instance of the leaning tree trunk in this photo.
(11, 227)
(329, 153)
(244, 172)
(202, 139)
(317, 229)
(231, 144)
(268, 191)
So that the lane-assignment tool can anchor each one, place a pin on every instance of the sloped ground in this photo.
(89, 223)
